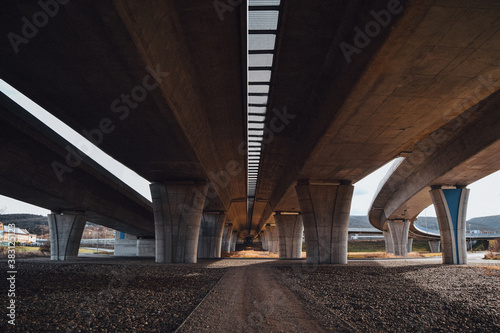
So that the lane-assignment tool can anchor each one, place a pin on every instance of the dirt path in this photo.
(250, 299)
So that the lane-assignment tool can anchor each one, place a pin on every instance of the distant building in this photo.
(21, 235)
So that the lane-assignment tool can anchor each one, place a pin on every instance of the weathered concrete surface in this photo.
(178, 209)
(125, 244)
(146, 247)
(399, 235)
(435, 246)
(352, 118)
(31, 159)
(290, 229)
(165, 77)
(389, 244)
(409, 246)
(451, 211)
(272, 239)
(264, 240)
(65, 234)
(234, 239)
(210, 236)
(226, 237)
(325, 213)
(462, 151)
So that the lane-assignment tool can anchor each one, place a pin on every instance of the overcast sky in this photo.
(484, 198)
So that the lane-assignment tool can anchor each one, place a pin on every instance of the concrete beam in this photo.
(65, 234)
(290, 229)
(451, 210)
(399, 234)
(178, 208)
(226, 238)
(325, 213)
(210, 235)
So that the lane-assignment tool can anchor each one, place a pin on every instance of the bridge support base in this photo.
(389, 246)
(409, 246)
(399, 234)
(290, 229)
(125, 244)
(226, 237)
(325, 213)
(435, 246)
(210, 236)
(263, 239)
(65, 235)
(145, 247)
(178, 208)
(451, 209)
(234, 239)
(272, 239)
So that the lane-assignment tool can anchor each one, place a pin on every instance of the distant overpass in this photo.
(30, 156)
(460, 152)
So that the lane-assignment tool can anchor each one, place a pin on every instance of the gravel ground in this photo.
(398, 296)
(115, 295)
(83, 297)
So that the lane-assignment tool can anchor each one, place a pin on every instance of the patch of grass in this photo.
(27, 249)
(94, 251)
(250, 254)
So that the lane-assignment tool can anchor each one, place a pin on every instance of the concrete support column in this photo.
(145, 247)
(234, 239)
(125, 244)
(325, 213)
(263, 238)
(178, 208)
(210, 237)
(451, 210)
(226, 238)
(435, 246)
(399, 234)
(273, 239)
(290, 229)
(389, 245)
(65, 234)
(409, 247)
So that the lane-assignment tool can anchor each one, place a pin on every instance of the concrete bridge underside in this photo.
(169, 78)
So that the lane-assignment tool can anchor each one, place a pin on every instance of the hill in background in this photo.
(35, 224)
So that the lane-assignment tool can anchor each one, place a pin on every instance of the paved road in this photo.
(250, 299)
